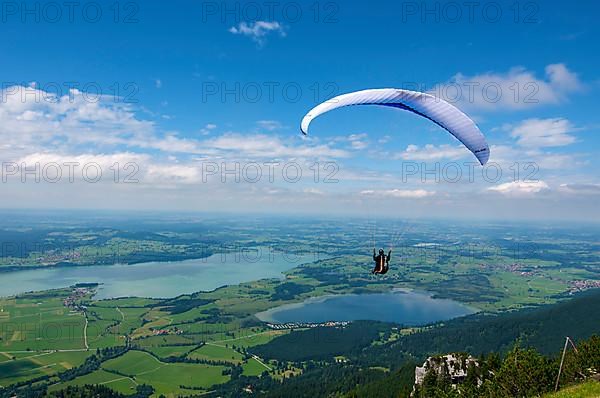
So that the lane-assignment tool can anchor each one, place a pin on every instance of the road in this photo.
(85, 342)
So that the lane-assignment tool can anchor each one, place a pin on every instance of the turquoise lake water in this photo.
(157, 279)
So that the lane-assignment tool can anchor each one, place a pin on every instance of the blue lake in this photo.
(410, 308)
(158, 279)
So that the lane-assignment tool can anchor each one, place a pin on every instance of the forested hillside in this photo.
(542, 328)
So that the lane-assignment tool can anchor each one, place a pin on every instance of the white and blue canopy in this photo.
(435, 109)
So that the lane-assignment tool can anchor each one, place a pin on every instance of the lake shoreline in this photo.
(162, 279)
(65, 264)
(371, 309)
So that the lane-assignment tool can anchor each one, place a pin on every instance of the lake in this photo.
(158, 279)
(410, 308)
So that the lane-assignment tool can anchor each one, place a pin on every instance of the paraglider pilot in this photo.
(382, 262)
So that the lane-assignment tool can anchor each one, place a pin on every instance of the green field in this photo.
(137, 367)
(166, 378)
(253, 368)
(119, 383)
(33, 365)
(34, 323)
(170, 351)
(216, 352)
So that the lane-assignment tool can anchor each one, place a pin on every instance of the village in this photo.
(80, 291)
(306, 325)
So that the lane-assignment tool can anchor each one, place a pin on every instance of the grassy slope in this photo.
(590, 389)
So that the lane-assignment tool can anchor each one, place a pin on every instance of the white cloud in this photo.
(104, 160)
(553, 161)
(157, 83)
(358, 141)
(258, 30)
(431, 152)
(520, 188)
(208, 128)
(537, 133)
(359, 145)
(562, 79)
(269, 125)
(134, 170)
(171, 143)
(313, 191)
(353, 137)
(516, 89)
(267, 147)
(580, 189)
(384, 140)
(171, 173)
(364, 175)
(33, 119)
(508, 156)
(399, 193)
(36, 121)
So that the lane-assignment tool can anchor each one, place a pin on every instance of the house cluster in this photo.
(53, 257)
(578, 286)
(515, 268)
(72, 301)
(306, 325)
(164, 332)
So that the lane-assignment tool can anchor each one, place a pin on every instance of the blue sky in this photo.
(227, 83)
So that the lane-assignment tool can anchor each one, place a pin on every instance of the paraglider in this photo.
(440, 112)
(382, 262)
(435, 109)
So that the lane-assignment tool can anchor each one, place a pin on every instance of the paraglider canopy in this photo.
(435, 109)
